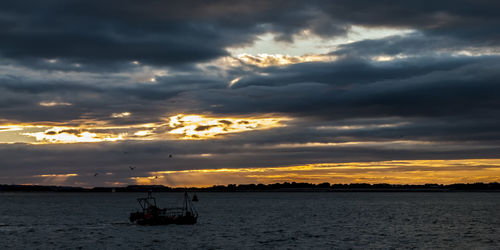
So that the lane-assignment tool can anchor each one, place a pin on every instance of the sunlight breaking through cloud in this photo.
(91, 131)
(393, 172)
(54, 179)
(202, 127)
(70, 135)
(6, 128)
(266, 60)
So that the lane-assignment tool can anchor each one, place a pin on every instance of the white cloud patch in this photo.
(54, 103)
(121, 115)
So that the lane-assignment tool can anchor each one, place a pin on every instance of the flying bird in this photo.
(131, 168)
(96, 174)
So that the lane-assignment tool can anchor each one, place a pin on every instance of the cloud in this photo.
(53, 103)
(265, 60)
(107, 76)
(121, 115)
(181, 32)
(416, 44)
(183, 126)
(66, 135)
(410, 171)
(347, 89)
(202, 127)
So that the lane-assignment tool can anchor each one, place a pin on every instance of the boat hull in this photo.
(144, 219)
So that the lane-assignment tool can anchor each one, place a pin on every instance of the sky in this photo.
(201, 93)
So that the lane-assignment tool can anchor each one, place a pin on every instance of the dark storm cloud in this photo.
(73, 31)
(96, 96)
(414, 44)
(83, 53)
(426, 87)
(21, 100)
(447, 98)
(151, 32)
(69, 65)
(25, 161)
(352, 70)
(469, 20)
(177, 32)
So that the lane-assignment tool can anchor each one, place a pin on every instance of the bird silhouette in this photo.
(169, 156)
(96, 174)
(131, 168)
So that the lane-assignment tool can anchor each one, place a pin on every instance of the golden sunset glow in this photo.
(6, 128)
(254, 124)
(56, 179)
(143, 133)
(392, 172)
(50, 133)
(71, 135)
(150, 180)
(181, 127)
(266, 60)
(56, 175)
(202, 127)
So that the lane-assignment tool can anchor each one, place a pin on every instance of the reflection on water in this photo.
(256, 220)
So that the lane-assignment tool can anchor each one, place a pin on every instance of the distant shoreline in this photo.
(277, 187)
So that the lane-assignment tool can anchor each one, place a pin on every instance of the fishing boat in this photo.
(151, 214)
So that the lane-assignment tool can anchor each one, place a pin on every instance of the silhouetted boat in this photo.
(195, 198)
(151, 214)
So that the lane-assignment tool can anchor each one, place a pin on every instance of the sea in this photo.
(256, 220)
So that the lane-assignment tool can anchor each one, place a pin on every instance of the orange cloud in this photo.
(71, 135)
(181, 126)
(266, 60)
(393, 172)
(55, 179)
(202, 127)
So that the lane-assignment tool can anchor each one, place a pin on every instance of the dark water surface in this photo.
(255, 221)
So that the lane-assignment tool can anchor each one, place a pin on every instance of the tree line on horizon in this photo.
(285, 186)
